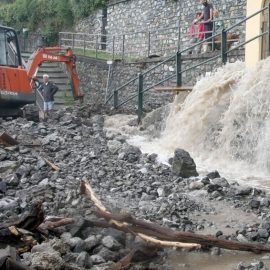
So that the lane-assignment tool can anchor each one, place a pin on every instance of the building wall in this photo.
(254, 48)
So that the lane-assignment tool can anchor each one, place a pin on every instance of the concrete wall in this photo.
(254, 28)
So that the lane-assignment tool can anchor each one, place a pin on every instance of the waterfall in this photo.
(224, 122)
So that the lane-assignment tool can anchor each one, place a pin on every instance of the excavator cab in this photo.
(17, 86)
(15, 89)
(10, 54)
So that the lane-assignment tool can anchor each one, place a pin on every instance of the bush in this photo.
(51, 16)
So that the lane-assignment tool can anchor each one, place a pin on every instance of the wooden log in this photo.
(53, 166)
(124, 262)
(51, 223)
(121, 223)
(155, 230)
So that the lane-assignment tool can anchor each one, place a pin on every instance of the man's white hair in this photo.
(45, 76)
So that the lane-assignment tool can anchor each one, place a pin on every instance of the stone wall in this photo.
(136, 18)
(94, 76)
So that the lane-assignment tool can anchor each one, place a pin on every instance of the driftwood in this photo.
(53, 166)
(121, 224)
(167, 234)
(127, 223)
(28, 230)
(124, 262)
(50, 223)
(9, 260)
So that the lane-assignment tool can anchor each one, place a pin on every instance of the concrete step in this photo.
(64, 95)
(173, 88)
(53, 75)
(58, 81)
(50, 70)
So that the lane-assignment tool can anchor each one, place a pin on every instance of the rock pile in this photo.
(123, 178)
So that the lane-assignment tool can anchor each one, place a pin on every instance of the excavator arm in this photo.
(55, 54)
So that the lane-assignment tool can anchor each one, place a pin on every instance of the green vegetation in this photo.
(92, 53)
(102, 55)
(46, 16)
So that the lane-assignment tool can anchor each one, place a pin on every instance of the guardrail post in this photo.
(140, 97)
(59, 39)
(115, 99)
(179, 37)
(149, 44)
(73, 41)
(113, 44)
(268, 29)
(84, 44)
(123, 47)
(224, 46)
(178, 61)
(96, 46)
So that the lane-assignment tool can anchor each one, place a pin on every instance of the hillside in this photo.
(47, 16)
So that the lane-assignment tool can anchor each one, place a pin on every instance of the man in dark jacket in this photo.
(48, 90)
(207, 16)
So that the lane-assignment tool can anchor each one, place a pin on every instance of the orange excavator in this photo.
(17, 80)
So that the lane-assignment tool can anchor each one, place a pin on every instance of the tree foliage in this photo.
(46, 16)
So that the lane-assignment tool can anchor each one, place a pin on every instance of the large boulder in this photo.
(183, 165)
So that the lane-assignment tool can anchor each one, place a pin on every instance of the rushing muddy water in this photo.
(206, 261)
(224, 124)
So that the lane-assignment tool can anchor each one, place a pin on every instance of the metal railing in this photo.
(139, 80)
(39, 100)
(128, 46)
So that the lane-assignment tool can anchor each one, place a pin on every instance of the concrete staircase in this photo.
(57, 75)
(60, 77)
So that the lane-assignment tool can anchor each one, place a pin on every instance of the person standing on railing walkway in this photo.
(207, 16)
(48, 90)
(196, 33)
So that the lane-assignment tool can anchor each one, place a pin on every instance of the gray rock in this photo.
(205, 180)
(241, 238)
(196, 185)
(84, 260)
(254, 203)
(97, 259)
(221, 182)
(108, 255)
(243, 191)
(80, 247)
(74, 241)
(46, 261)
(3, 186)
(211, 188)
(7, 165)
(44, 247)
(8, 203)
(161, 192)
(91, 242)
(263, 233)
(213, 175)
(3, 154)
(111, 243)
(13, 180)
(265, 202)
(114, 146)
(183, 165)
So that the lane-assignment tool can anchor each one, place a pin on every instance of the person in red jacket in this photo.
(197, 32)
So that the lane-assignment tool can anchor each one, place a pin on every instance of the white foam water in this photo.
(224, 123)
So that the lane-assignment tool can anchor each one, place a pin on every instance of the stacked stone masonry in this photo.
(145, 23)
